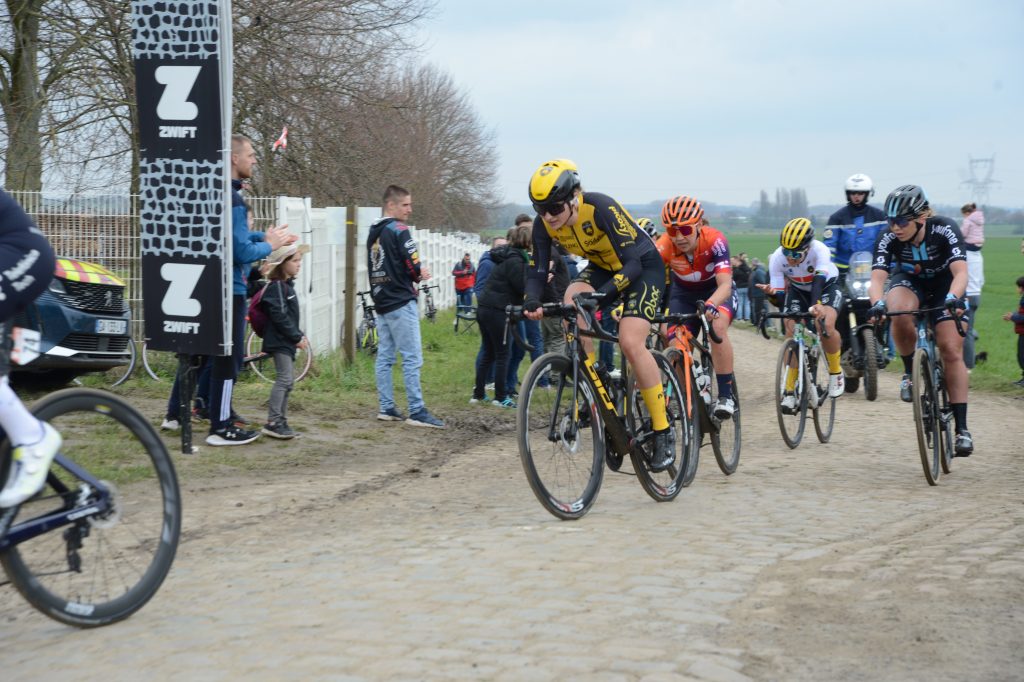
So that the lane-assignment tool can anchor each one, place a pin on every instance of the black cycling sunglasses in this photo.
(554, 210)
(899, 222)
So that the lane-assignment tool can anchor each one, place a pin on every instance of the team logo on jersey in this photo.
(588, 228)
(623, 225)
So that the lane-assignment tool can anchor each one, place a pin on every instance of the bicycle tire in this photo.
(692, 405)
(265, 368)
(134, 544)
(926, 416)
(563, 457)
(726, 434)
(160, 365)
(792, 430)
(871, 354)
(946, 427)
(661, 486)
(822, 426)
(120, 374)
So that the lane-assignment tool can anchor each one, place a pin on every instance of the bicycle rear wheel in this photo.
(691, 403)
(561, 438)
(100, 568)
(662, 486)
(791, 422)
(160, 365)
(264, 366)
(926, 416)
(823, 413)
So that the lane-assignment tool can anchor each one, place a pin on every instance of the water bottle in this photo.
(703, 382)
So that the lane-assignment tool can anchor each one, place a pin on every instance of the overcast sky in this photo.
(723, 98)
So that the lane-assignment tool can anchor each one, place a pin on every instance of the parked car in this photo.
(84, 322)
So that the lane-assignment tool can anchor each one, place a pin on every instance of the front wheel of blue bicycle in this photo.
(115, 490)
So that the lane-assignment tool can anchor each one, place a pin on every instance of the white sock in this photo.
(19, 424)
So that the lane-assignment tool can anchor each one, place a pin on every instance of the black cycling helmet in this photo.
(906, 202)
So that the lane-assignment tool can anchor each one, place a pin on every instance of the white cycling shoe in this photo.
(29, 465)
(789, 403)
(725, 407)
(836, 385)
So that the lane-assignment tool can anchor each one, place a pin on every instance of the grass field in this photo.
(1003, 265)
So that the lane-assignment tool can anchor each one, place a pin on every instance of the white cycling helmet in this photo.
(859, 183)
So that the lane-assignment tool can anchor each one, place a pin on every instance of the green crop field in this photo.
(1003, 265)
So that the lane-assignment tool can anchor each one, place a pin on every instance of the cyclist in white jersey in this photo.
(803, 267)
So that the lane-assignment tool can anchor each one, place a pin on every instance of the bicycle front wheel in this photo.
(120, 374)
(665, 485)
(160, 365)
(792, 420)
(99, 568)
(726, 433)
(926, 416)
(561, 438)
(824, 413)
(690, 418)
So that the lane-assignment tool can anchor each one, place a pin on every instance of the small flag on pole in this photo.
(281, 142)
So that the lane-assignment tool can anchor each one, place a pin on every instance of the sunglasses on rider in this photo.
(795, 254)
(684, 230)
(899, 222)
(554, 210)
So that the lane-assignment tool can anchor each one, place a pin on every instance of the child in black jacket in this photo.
(282, 334)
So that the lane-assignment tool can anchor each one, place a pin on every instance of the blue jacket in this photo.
(852, 229)
(247, 247)
(483, 271)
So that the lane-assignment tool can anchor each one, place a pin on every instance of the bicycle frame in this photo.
(685, 341)
(806, 339)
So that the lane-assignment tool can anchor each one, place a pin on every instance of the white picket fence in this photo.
(105, 230)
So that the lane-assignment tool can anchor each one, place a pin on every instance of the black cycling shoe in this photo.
(662, 454)
(964, 443)
(905, 389)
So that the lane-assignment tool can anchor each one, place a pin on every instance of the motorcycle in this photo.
(863, 356)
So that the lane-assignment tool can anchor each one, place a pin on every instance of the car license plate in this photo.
(111, 326)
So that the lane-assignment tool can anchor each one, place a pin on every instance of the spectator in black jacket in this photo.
(505, 286)
(758, 275)
(741, 282)
(282, 334)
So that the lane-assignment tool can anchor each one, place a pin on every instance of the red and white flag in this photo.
(281, 142)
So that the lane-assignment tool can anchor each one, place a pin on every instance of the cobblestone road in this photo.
(829, 562)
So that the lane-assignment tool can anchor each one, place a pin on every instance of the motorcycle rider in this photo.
(855, 227)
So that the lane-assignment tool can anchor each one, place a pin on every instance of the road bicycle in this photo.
(933, 414)
(429, 309)
(568, 429)
(366, 332)
(691, 358)
(97, 542)
(802, 351)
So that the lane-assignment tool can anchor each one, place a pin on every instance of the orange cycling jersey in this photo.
(709, 258)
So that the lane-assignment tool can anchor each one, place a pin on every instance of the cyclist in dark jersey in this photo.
(623, 261)
(926, 253)
(26, 268)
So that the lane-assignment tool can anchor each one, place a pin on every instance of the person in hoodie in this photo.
(973, 229)
(506, 285)
(395, 269)
(483, 271)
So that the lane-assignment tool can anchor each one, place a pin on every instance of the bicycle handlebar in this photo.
(679, 318)
(957, 320)
(762, 327)
(583, 304)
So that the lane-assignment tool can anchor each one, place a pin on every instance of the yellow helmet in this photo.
(554, 182)
(797, 234)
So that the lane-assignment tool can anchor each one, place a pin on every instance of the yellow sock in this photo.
(654, 399)
(791, 379)
(833, 362)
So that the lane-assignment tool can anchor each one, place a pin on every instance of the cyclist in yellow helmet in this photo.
(803, 266)
(623, 261)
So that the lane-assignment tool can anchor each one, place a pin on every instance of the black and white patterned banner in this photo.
(182, 53)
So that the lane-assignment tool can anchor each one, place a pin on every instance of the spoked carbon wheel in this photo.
(561, 438)
(264, 367)
(691, 404)
(926, 416)
(662, 486)
(726, 433)
(823, 408)
(791, 422)
(100, 568)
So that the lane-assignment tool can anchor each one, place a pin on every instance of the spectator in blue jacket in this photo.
(483, 271)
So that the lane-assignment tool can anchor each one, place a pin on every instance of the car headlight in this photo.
(57, 286)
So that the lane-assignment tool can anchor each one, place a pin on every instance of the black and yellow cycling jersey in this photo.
(604, 233)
